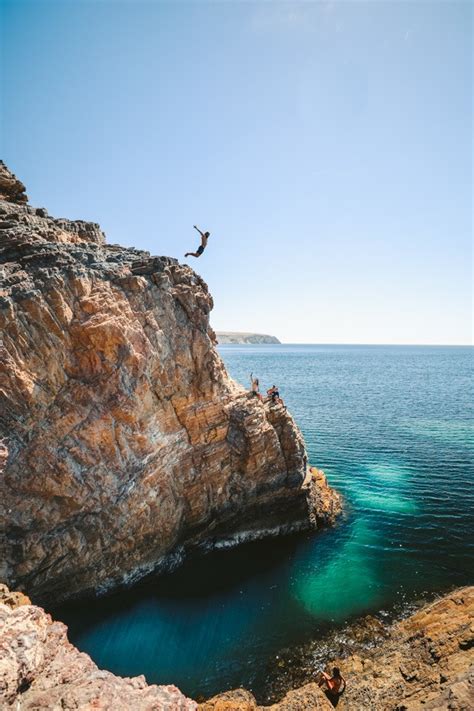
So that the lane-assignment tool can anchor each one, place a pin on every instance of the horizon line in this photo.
(307, 343)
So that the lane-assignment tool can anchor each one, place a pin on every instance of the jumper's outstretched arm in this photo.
(197, 228)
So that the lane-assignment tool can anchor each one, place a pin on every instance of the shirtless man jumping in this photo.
(204, 237)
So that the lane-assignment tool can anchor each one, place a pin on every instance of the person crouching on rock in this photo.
(274, 394)
(334, 685)
(204, 237)
(255, 387)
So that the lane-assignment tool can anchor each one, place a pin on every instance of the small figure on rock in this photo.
(333, 686)
(204, 237)
(255, 386)
(274, 394)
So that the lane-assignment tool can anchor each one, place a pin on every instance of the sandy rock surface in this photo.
(123, 441)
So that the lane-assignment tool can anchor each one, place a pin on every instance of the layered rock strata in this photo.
(425, 663)
(125, 443)
(41, 669)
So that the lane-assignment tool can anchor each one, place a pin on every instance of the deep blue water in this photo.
(393, 429)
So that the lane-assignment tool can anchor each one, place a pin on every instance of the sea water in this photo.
(392, 428)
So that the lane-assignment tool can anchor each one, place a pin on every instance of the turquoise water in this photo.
(392, 428)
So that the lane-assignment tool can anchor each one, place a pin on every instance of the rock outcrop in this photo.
(41, 669)
(125, 443)
(11, 188)
(426, 663)
(226, 337)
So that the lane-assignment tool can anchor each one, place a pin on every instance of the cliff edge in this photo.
(124, 441)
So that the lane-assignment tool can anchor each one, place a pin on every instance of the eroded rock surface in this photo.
(41, 669)
(11, 188)
(425, 662)
(124, 441)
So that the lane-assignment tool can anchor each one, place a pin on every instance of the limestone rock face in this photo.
(41, 669)
(124, 442)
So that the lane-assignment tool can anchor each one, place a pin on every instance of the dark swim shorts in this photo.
(200, 249)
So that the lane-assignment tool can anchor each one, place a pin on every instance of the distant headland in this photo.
(225, 337)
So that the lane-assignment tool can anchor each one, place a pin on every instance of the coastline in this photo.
(424, 657)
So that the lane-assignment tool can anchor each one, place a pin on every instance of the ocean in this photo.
(392, 427)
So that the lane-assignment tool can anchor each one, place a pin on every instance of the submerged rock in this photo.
(125, 443)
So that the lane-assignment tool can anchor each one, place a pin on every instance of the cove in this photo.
(392, 428)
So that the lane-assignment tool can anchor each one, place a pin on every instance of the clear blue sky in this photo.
(326, 146)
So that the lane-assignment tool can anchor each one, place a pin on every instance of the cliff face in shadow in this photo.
(124, 441)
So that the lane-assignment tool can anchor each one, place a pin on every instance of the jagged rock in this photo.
(11, 188)
(41, 669)
(425, 663)
(125, 443)
(309, 697)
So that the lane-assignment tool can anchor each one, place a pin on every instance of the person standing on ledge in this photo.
(255, 387)
(204, 237)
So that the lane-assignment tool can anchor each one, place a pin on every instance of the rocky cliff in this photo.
(425, 662)
(124, 442)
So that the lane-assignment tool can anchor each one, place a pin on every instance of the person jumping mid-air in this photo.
(204, 237)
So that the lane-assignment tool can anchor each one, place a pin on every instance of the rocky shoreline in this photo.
(425, 661)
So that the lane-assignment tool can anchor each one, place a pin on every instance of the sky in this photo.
(327, 147)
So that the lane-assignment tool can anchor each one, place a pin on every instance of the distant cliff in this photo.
(224, 337)
(123, 441)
